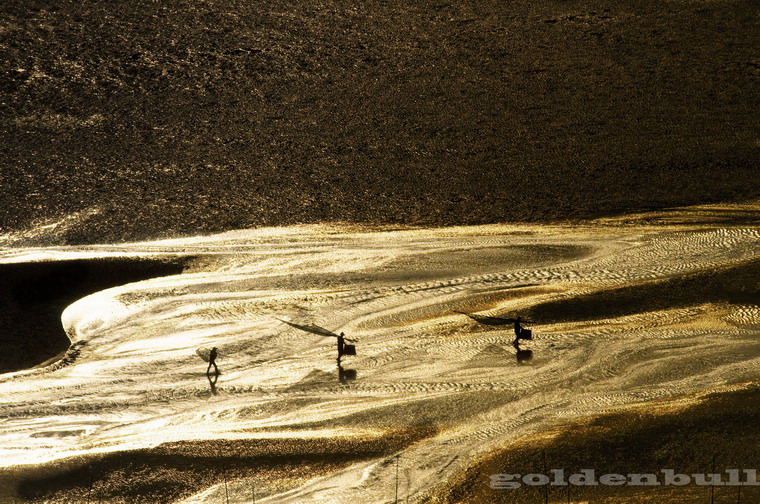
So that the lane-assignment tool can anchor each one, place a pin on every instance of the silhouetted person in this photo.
(341, 346)
(520, 331)
(212, 361)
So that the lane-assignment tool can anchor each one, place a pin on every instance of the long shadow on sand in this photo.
(737, 285)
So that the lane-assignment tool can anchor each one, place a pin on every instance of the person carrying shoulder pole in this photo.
(518, 327)
(212, 362)
(341, 346)
(518, 330)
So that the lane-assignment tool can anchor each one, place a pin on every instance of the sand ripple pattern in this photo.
(132, 378)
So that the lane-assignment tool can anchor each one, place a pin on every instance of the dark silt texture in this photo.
(717, 432)
(173, 118)
(176, 470)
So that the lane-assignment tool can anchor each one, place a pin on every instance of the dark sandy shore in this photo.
(158, 119)
(640, 440)
(643, 440)
(176, 470)
(33, 296)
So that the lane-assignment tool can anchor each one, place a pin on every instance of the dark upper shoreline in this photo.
(180, 118)
(33, 296)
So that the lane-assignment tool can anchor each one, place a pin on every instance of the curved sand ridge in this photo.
(136, 381)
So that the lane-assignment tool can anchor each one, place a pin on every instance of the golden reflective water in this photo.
(603, 340)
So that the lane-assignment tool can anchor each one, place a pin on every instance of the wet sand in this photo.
(683, 435)
(680, 435)
(629, 313)
(174, 471)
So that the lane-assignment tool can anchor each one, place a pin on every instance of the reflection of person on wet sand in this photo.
(212, 383)
(345, 375)
(212, 362)
(521, 355)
